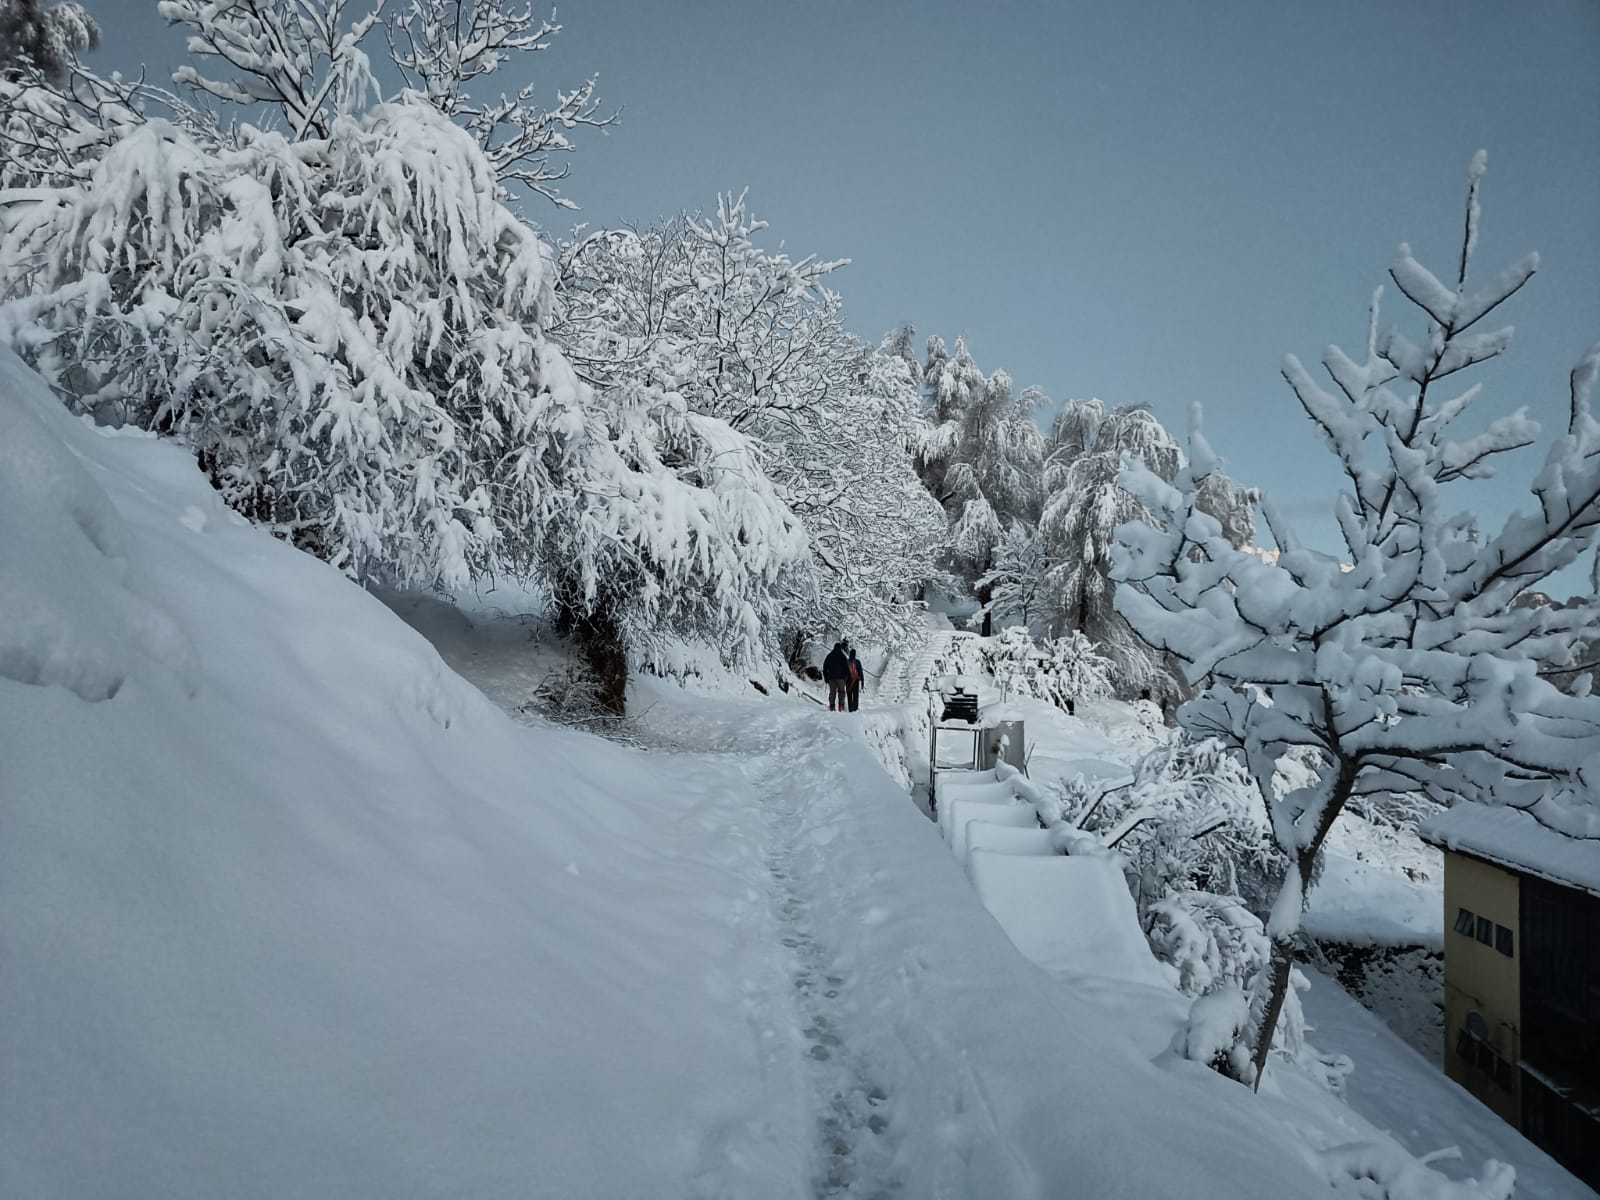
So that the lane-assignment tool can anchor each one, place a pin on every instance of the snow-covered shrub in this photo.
(1219, 952)
(1062, 671)
(1209, 831)
(1403, 660)
(347, 330)
(1384, 1171)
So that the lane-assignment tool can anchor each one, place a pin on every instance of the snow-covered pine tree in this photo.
(1086, 504)
(980, 451)
(953, 384)
(1408, 666)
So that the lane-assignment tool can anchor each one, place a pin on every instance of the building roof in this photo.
(1510, 838)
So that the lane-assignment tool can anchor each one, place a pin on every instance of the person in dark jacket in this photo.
(852, 681)
(836, 672)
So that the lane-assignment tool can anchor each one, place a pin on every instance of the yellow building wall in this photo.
(1478, 978)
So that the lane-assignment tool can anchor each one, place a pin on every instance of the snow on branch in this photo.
(1409, 666)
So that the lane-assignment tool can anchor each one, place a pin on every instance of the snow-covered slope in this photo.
(297, 912)
(287, 908)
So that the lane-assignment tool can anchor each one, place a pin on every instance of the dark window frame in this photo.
(1505, 941)
(1485, 930)
(1466, 921)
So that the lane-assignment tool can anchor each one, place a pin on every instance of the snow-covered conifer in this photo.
(1406, 666)
(1085, 505)
(1014, 583)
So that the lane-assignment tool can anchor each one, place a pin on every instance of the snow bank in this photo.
(1070, 915)
(76, 614)
(288, 909)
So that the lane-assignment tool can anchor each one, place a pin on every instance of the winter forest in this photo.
(420, 773)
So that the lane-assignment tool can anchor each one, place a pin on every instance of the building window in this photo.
(1503, 940)
(1473, 1049)
(1465, 921)
(1486, 931)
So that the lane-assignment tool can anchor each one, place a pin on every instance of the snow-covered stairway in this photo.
(906, 674)
(1060, 911)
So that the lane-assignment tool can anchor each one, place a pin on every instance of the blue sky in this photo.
(1148, 202)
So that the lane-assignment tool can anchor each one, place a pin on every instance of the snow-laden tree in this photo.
(1085, 504)
(444, 47)
(754, 339)
(347, 331)
(953, 384)
(668, 527)
(1014, 584)
(1000, 455)
(1402, 662)
(44, 38)
(874, 529)
(1061, 671)
(976, 535)
(980, 451)
(309, 59)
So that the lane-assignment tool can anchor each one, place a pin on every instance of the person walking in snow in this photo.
(836, 673)
(852, 681)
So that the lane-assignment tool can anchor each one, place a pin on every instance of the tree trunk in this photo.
(1282, 965)
(1283, 946)
(985, 595)
(600, 641)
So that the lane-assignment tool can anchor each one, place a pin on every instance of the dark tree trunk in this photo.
(600, 641)
(1283, 947)
(795, 651)
(985, 595)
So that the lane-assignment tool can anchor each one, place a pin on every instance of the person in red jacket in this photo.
(852, 681)
(836, 674)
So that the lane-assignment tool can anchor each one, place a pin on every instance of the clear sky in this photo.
(1151, 202)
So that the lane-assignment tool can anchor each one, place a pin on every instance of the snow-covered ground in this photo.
(290, 908)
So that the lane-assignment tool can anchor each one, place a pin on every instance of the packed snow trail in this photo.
(932, 1060)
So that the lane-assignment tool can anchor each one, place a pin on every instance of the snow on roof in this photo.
(1511, 838)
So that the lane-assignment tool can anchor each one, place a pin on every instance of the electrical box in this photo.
(1002, 741)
